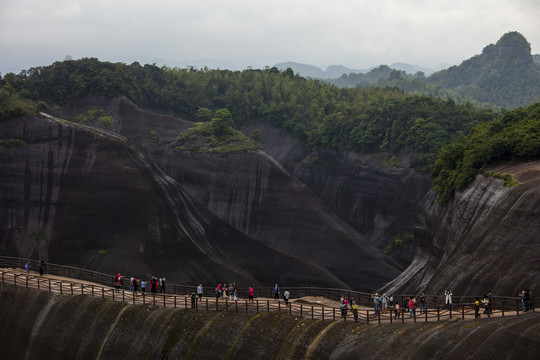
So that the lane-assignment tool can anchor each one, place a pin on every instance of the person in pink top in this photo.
(411, 307)
(251, 293)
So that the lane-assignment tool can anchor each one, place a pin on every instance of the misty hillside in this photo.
(504, 75)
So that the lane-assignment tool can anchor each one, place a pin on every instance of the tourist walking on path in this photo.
(411, 307)
(193, 300)
(27, 267)
(218, 291)
(230, 290)
(251, 293)
(448, 298)
(200, 291)
(354, 308)
(118, 280)
(422, 303)
(143, 285)
(476, 309)
(376, 300)
(343, 306)
(384, 302)
(235, 287)
(162, 285)
(41, 267)
(286, 296)
(396, 311)
(276, 292)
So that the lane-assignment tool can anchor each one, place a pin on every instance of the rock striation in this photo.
(485, 239)
(254, 193)
(81, 196)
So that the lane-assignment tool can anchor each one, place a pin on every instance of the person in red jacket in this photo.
(411, 306)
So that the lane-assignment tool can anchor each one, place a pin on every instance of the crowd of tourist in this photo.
(382, 303)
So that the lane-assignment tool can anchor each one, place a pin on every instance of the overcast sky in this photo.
(240, 33)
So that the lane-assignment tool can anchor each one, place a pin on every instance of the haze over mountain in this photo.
(335, 71)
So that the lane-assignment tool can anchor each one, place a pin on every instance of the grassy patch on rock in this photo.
(201, 138)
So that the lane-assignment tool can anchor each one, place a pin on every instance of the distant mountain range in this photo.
(335, 71)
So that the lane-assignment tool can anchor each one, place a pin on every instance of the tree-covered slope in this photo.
(504, 75)
(320, 115)
(516, 135)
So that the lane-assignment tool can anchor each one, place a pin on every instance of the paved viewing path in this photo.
(315, 307)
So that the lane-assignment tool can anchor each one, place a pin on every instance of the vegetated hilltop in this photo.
(482, 233)
(83, 327)
(504, 75)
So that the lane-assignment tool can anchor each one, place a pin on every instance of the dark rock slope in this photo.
(378, 200)
(39, 325)
(486, 238)
(254, 193)
(85, 197)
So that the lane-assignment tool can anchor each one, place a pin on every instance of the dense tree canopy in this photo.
(516, 135)
(321, 115)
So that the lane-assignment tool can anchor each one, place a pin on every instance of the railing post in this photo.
(301, 309)
(175, 301)
(113, 295)
(379, 317)
(503, 308)
(257, 305)
(268, 305)
(217, 306)
(367, 316)
(206, 304)
(438, 313)
(123, 296)
(92, 290)
(312, 312)
(164, 300)
(71, 285)
(450, 311)
(38, 283)
(27, 281)
(322, 309)
(462, 312)
(247, 307)
(49, 285)
(226, 304)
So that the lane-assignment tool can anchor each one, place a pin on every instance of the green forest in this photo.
(504, 75)
(515, 135)
(321, 115)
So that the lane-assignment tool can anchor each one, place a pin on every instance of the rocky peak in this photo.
(511, 45)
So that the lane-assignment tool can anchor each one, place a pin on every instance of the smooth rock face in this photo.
(486, 238)
(380, 202)
(80, 196)
(254, 193)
